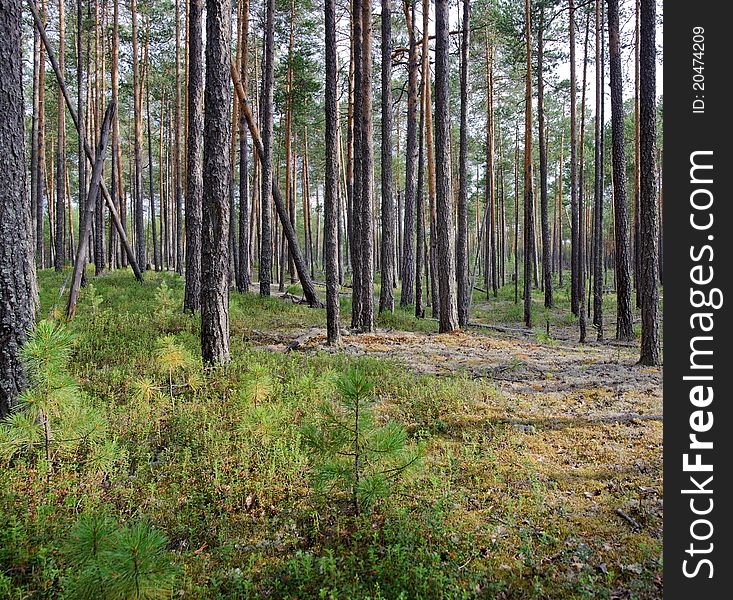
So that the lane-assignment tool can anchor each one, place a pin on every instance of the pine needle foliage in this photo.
(117, 563)
(53, 413)
(354, 454)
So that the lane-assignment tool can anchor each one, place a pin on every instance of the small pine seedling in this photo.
(351, 451)
(128, 563)
(53, 413)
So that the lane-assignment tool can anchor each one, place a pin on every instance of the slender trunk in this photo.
(462, 241)
(243, 277)
(598, 187)
(194, 177)
(528, 199)
(546, 258)
(331, 190)
(408, 267)
(60, 153)
(268, 75)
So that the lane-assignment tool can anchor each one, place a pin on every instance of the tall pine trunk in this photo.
(386, 298)
(462, 239)
(268, 82)
(194, 177)
(624, 323)
(18, 293)
(330, 233)
(216, 181)
(648, 217)
(444, 214)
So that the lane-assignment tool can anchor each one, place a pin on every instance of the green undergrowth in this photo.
(212, 472)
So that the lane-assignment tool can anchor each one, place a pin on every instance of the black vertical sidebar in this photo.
(697, 171)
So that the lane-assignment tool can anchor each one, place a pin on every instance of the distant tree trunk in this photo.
(420, 263)
(60, 154)
(177, 149)
(268, 81)
(138, 187)
(41, 143)
(546, 258)
(408, 268)
(574, 216)
(648, 218)
(18, 293)
(516, 217)
(82, 162)
(635, 243)
(330, 233)
(386, 299)
(528, 200)
(216, 181)
(598, 187)
(462, 241)
(624, 323)
(194, 177)
(243, 277)
(444, 214)
(433, 293)
(91, 206)
(116, 184)
(153, 224)
(581, 197)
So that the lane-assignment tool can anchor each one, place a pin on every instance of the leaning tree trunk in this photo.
(546, 257)
(330, 233)
(444, 217)
(624, 324)
(648, 218)
(194, 182)
(18, 293)
(462, 241)
(386, 298)
(216, 181)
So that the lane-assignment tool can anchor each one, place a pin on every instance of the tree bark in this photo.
(444, 214)
(194, 177)
(528, 199)
(598, 186)
(90, 207)
(408, 267)
(544, 208)
(137, 108)
(216, 181)
(386, 298)
(18, 292)
(624, 323)
(266, 119)
(243, 277)
(648, 218)
(331, 190)
(462, 241)
(60, 155)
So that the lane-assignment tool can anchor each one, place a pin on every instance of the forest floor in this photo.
(541, 475)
